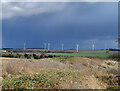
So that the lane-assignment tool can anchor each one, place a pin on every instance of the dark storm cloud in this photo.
(74, 23)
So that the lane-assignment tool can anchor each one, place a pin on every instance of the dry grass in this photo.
(55, 78)
(15, 66)
(94, 64)
(94, 73)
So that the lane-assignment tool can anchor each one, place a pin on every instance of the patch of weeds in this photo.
(113, 87)
(43, 80)
(111, 81)
(62, 59)
(115, 56)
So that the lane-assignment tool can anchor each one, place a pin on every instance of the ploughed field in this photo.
(60, 72)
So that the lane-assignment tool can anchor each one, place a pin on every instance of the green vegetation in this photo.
(115, 56)
(91, 54)
(24, 74)
(63, 58)
(54, 79)
(27, 55)
(13, 55)
(58, 79)
(94, 54)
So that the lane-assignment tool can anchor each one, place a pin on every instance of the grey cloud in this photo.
(28, 9)
(60, 0)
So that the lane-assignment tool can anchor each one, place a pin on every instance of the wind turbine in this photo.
(62, 46)
(24, 45)
(93, 46)
(77, 45)
(44, 45)
(48, 46)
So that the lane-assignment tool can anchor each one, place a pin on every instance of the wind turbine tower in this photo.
(44, 45)
(62, 46)
(93, 46)
(48, 46)
(24, 45)
(77, 45)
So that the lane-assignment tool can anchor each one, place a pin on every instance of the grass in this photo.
(46, 79)
(94, 54)
(63, 59)
(13, 66)
(60, 79)
(26, 74)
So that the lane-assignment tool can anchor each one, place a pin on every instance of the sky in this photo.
(57, 23)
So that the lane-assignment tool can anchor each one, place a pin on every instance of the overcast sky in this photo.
(57, 23)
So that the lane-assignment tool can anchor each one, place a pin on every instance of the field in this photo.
(83, 70)
(95, 54)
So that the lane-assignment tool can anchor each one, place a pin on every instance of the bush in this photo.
(42, 56)
(50, 56)
(13, 55)
(18, 55)
(35, 56)
(115, 56)
(28, 56)
(8, 55)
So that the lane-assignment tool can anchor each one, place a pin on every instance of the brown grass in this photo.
(15, 66)
(96, 73)
(94, 64)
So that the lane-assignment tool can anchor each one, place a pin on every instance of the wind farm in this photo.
(50, 65)
(60, 45)
(51, 62)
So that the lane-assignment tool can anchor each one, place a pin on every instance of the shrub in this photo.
(35, 56)
(13, 55)
(18, 55)
(8, 55)
(28, 56)
(51, 56)
(42, 56)
(115, 56)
